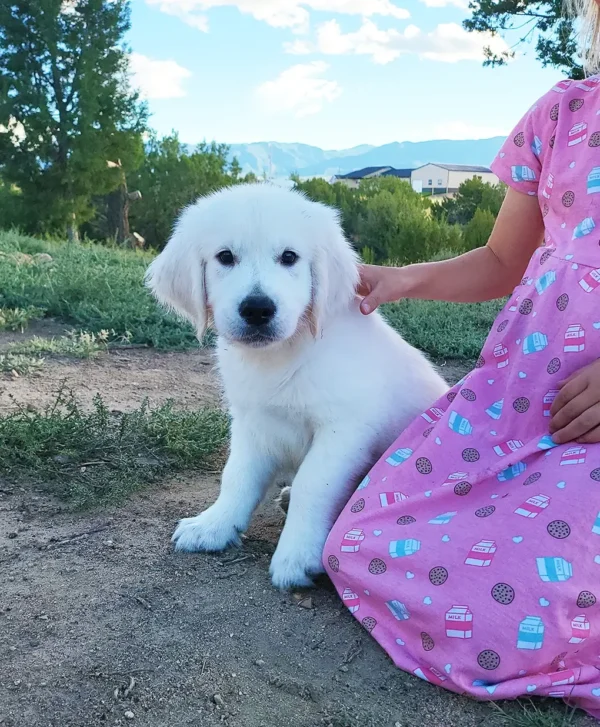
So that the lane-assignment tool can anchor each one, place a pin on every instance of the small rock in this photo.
(12, 536)
(260, 662)
(129, 714)
(306, 603)
(43, 617)
(109, 543)
(218, 700)
(343, 668)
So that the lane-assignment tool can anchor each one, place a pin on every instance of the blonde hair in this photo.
(588, 13)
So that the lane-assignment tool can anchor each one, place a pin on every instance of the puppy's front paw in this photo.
(294, 564)
(209, 532)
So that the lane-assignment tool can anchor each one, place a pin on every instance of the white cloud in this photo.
(445, 3)
(447, 43)
(158, 79)
(294, 14)
(301, 90)
(299, 47)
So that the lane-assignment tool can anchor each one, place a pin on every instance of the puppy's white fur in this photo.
(321, 397)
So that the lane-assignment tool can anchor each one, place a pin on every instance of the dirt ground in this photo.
(101, 623)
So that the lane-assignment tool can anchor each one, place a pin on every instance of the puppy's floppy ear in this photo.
(177, 277)
(334, 271)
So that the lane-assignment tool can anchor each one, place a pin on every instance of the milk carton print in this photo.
(511, 472)
(459, 623)
(501, 355)
(547, 191)
(430, 674)
(351, 600)
(399, 456)
(577, 134)
(390, 498)
(593, 181)
(442, 519)
(545, 281)
(573, 456)
(531, 633)
(535, 342)
(585, 227)
(596, 525)
(548, 400)
(364, 483)
(401, 548)
(398, 610)
(590, 280)
(560, 678)
(482, 554)
(433, 415)
(554, 570)
(459, 424)
(514, 305)
(546, 442)
(536, 146)
(454, 478)
(508, 447)
(562, 86)
(522, 173)
(533, 506)
(574, 339)
(352, 540)
(588, 84)
(580, 630)
(495, 410)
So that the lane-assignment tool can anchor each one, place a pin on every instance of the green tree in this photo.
(66, 107)
(542, 23)
(337, 195)
(171, 177)
(473, 194)
(479, 229)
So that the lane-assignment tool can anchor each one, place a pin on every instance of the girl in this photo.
(474, 557)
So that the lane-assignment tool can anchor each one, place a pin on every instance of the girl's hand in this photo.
(381, 285)
(576, 410)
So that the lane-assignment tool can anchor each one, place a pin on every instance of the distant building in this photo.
(353, 179)
(445, 179)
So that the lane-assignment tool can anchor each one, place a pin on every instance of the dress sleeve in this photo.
(520, 160)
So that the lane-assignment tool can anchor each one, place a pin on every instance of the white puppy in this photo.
(315, 389)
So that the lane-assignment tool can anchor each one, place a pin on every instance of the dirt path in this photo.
(102, 624)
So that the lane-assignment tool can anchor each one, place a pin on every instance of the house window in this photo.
(440, 182)
(430, 182)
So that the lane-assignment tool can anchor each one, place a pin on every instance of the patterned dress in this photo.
(471, 552)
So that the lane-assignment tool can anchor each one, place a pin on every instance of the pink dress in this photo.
(471, 552)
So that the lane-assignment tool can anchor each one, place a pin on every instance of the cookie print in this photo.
(500, 579)
(427, 642)
(521, 404)
(594, 139)
(554, 366)
(526, 307)
(333, 563)
(586, 599)
(470, 455)
(424, 466)
(369, 623)
(532, 479)
(377, 567)
(559, 529)
(503, 593)
(468, 395)
(488, 660)
(438, 576)
(462, 488)
(576, 104)
(427, 432)
(358, 505)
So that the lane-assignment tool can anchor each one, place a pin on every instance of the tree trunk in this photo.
(118, 213)
(73, 230)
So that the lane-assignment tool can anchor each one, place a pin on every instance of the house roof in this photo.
(459, 168)
(368, 171)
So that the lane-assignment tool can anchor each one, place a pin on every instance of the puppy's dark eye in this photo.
(225, 257)
(289, 258)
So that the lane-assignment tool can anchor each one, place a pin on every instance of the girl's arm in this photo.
(489, 272)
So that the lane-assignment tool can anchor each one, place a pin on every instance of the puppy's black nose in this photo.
(257, 310)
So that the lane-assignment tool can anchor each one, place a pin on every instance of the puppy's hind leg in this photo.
(247, 474)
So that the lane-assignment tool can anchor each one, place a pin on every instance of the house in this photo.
(445, 179)
(353, 179)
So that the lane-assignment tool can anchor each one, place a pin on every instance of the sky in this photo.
(329, 73)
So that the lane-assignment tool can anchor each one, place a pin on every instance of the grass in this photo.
(96, 457)
(17, 319)
(535, 714)
(79, 344)
(17, 364)
(96, 288)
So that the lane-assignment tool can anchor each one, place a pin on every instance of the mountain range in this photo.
(280, 160)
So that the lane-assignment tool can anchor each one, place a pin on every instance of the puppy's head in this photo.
(259, 261)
